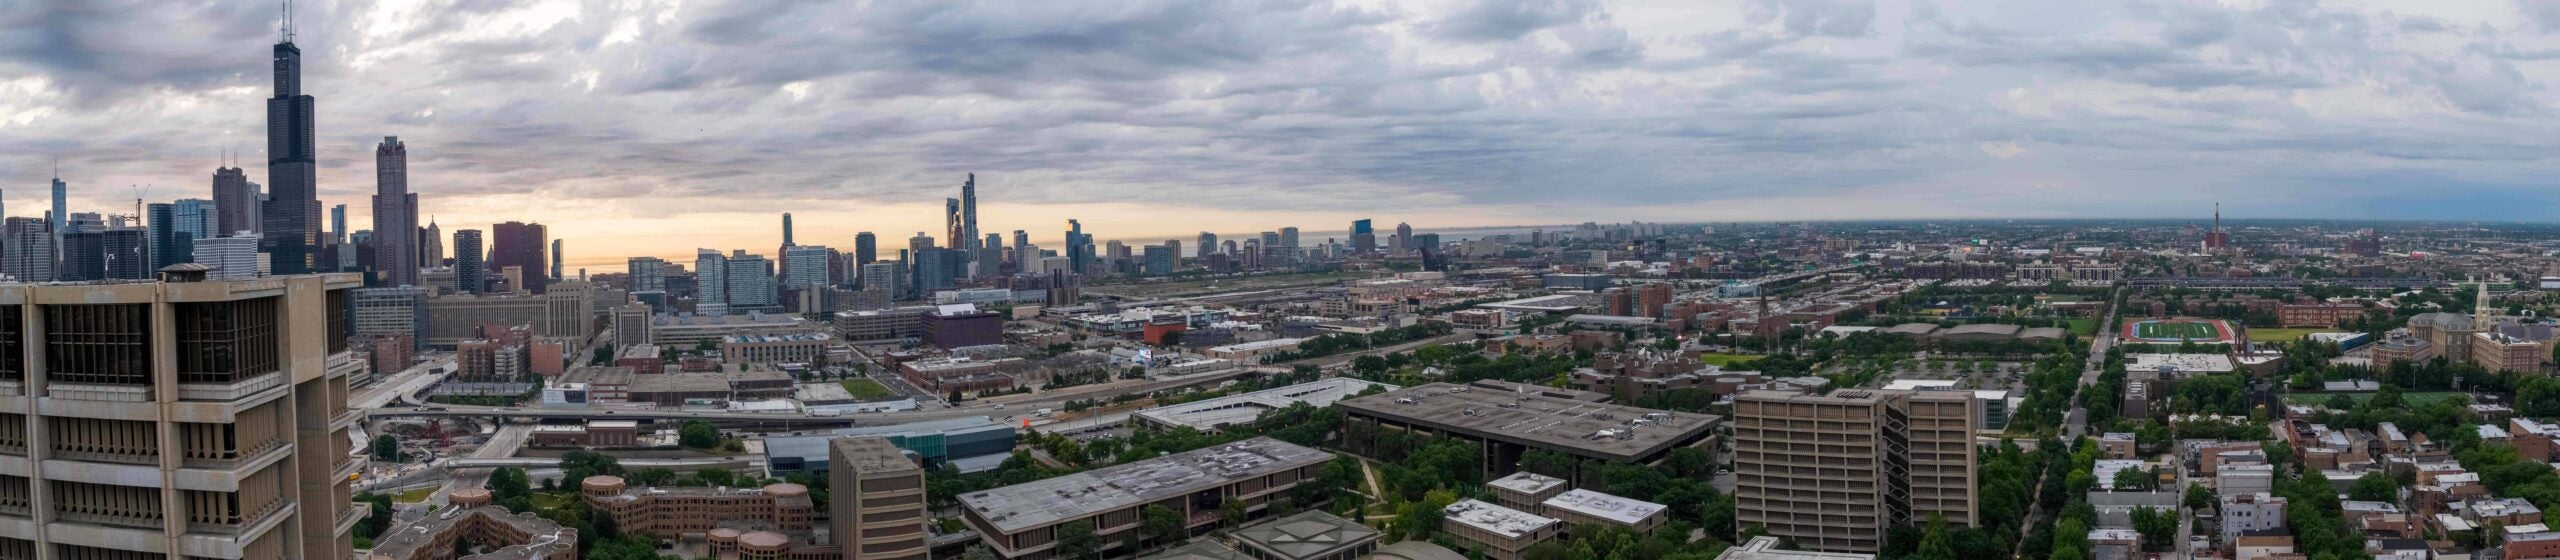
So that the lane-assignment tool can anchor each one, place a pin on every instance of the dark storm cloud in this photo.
(1616, 107)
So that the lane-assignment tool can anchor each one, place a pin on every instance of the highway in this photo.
(403, 386)
(501, 445)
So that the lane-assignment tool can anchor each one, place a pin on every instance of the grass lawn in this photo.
(1721, 360)
(2406, 398)
(413, 496)
(2281, 335)
(2084, 327)
(866, 390)
(542, 501)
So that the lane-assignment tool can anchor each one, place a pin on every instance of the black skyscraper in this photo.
(469, 274)
(292, 211)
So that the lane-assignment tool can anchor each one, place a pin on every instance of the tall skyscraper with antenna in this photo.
(969, 212)
(292, 211)
(235, 200)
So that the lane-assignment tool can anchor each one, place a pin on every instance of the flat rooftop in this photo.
(1766, 548)
(1526, 482)
(1559, 303)
(1507, 522)
(1628, 511)
(547, 538)
(1538, 419)
(1012, 509)
(1239, 409)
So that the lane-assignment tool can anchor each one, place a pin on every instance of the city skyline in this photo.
(1782, 111)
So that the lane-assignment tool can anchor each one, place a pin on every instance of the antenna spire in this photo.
(288, 21)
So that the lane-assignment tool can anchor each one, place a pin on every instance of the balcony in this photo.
(354, 513)
(129, 521)
(13, 388)
(236, 390)
(255, 455)
(348, 467)
(345, 419)
(273, 510)
(343, 363)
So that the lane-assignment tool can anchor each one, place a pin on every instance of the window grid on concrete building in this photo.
(226, 341)
(109, 441)
(106, 344)
(254, 431)
(17, 549)
(77, 552)
(227, 512)
(16, 494)
(13, 344)
(107, 504)
(13, 434)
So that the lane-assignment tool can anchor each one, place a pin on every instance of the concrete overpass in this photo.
(727, 463)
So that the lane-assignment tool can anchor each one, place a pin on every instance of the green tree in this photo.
(1547, 462)
(654, 476)
(1232, 510)
(510, 488)
(1163, 525)
(1076, 540)
(1935, 544)
(2156, 526)
(2375, 487)
(698, 434)
(2199, 498)
(2132, 480)
(576, 466)
(386, 448)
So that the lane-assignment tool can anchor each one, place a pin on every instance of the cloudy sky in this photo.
(657, 126)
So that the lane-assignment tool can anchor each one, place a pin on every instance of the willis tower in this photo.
(292, 212)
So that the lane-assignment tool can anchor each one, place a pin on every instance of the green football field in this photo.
(2175, 331)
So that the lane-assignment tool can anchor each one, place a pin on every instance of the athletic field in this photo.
(2177, 330)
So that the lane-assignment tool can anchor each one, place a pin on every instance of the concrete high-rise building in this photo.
(939, 269)
(235, 202)
(919, 243)
(291, 232)
(751, 283)
(82, 256)
(26, 249)
(1160, 259)
(395, 216)
(170, 243)
(647, 274)
(1289, 237)
(1364, 240)
(882, 276)
(522, 245)
(559, 259)
(261, 466)
(969, 212)
(807, 266)
(710, 282)
(953, 231)
(126, 253)
(1021, 238)
(990, 256)
(61, 204)
(470, 273)
(878, 494)
(1404, 237)
(400, 310)
(232, 258)
(337, 244)
(199, 218)
(1078, 247)
(786, 229)
(1208, 244)
(866, 248)
(431, 246)
(1888, 459)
